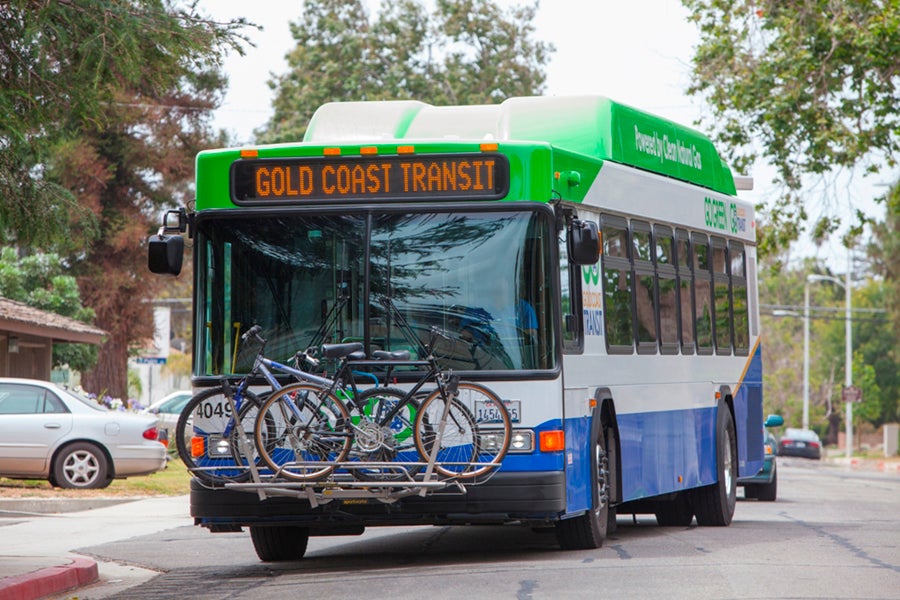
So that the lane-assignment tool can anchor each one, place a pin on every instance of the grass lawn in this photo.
(171, 481)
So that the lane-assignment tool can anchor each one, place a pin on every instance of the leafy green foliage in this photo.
(63, 68)
(38, 280)
(876, 368)
(464, 52)
(103, 105)
(810, 85)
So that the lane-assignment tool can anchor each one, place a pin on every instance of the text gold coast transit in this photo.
(459, 176)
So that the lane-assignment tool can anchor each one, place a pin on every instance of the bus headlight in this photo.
(521, 440)
(218, 447)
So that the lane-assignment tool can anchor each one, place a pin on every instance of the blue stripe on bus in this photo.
(748, 417)
(657, 447)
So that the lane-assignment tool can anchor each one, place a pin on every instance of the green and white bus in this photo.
(633, 374)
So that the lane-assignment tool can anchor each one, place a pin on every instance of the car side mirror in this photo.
(584, 242)
(774, 421)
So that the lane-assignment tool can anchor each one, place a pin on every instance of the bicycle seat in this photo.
(341, 350)
(386, 355)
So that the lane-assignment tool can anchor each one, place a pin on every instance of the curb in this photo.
(51, 580)
(49, 506)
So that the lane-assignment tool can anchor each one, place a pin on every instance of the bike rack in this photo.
(342, 486)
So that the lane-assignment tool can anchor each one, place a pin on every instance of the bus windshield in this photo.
(384, 279)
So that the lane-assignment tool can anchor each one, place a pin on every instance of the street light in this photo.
(848, 348)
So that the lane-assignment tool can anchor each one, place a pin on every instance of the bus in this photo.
(593, 261)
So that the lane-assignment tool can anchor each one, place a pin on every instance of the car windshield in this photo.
(175, 404)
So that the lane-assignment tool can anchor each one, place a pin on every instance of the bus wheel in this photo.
(675, 513)
(587, 531)
(714, 504)
(767, 492)
(279, 543)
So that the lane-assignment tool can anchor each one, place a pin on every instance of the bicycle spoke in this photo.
(302, 431)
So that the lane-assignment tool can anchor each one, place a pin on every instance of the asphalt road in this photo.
(832, 533)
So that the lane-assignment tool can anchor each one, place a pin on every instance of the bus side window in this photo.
(703, 310)
(618, 286)
(721, 296)
(685, 291)
(739, 303)
(645, 294)
(664, 258)
(570, 289)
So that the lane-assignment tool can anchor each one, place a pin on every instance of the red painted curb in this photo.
(52, 580)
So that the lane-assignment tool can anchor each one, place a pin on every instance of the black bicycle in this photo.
(305, 431)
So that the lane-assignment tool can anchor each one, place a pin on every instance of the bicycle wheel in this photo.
(205, 434)
(377, 440)
(474, 437)
(248, 413)
(301, 431)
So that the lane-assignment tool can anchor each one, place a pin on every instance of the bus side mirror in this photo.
(165, 254)
(584, 242)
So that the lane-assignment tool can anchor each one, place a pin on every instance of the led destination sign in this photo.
(456, 176)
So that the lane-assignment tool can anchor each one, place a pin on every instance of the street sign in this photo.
(851, 394)
(151, 360)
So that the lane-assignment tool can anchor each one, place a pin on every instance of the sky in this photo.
(637, 52)
(652, 78)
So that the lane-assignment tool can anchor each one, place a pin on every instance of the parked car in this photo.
(764, 485)
(800, 442)
(168, 409)
(47, 432)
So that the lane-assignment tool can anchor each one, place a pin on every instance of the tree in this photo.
(38, 281)
(103, 104)
(808, 84)
(464, 52)
(63, 65)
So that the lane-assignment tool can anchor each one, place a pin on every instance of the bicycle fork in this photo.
(244, 447)
(449, 392)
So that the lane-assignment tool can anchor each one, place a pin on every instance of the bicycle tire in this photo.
(248, 414)
(205, 415)
(470, 446)
(302, 441)
(376, 441)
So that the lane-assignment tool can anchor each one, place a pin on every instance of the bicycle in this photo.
(304, 431)
(216, 447)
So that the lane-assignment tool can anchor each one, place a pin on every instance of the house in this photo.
(27, 335)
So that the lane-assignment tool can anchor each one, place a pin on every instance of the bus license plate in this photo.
(489, 412)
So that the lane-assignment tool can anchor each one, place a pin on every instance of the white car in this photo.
(49, 433)
(168, 409)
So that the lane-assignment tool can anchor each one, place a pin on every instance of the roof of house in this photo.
(16, 317)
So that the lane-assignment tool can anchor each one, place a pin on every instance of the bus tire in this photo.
(587, 531)
(714, 504)
(279, 543)
(677, 512)
(767, 492)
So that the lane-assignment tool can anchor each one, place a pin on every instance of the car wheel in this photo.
(81, 466)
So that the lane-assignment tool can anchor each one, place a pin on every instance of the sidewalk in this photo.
(39, 534)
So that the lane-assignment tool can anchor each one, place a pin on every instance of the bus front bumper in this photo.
(506, 497)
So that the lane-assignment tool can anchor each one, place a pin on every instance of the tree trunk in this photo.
(110, 375)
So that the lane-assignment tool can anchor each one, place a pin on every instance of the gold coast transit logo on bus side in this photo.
(460, 176)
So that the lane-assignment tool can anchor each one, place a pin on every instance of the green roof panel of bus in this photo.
(592, 126)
